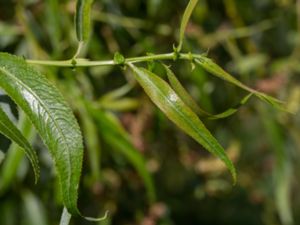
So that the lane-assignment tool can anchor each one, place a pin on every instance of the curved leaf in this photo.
(178, 112)
(8, 129)
(216, 70)
(231, 110)
(184, 21)
(52, 118)
(189, 101)
(15, 155)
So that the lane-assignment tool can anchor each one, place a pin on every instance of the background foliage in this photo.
(258, 41)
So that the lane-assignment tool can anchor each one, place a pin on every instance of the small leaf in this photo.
(184, 21)
(52, 118)
(177, 111)
(119, 58)
(216, 70)
(8, 129)
(82, 19)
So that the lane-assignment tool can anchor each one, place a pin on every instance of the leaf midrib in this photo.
(181, 114)
(49, 114)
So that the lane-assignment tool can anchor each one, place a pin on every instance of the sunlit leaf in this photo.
(8, 129)
(178, 112)
(52, 118)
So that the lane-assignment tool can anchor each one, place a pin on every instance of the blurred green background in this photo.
(127, 139)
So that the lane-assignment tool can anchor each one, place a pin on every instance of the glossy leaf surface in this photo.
(177, 111)
(52, 118)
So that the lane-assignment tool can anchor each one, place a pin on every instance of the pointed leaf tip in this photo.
(178, 112)
(51, 116)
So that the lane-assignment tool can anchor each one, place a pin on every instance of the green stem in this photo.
(79, 62)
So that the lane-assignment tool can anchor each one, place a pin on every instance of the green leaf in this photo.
(177, 111)
(184, 21)
(189, 101)
(82, 19)
(15, 155)
(117, 137)
(231, 110)
(52, 118)
(119, 58)
(216, 70)
(183, 94)
(8, 129)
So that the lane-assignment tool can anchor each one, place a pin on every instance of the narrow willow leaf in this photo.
(15, 155)
(177, 111)
(231, 110)
(82, 19)
(8, 129)
(189, 101)
(184, 21)
(52, 118)
(216, 70)
(115, 136)
(183, 94)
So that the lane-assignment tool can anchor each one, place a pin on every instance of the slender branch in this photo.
(79, 62)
